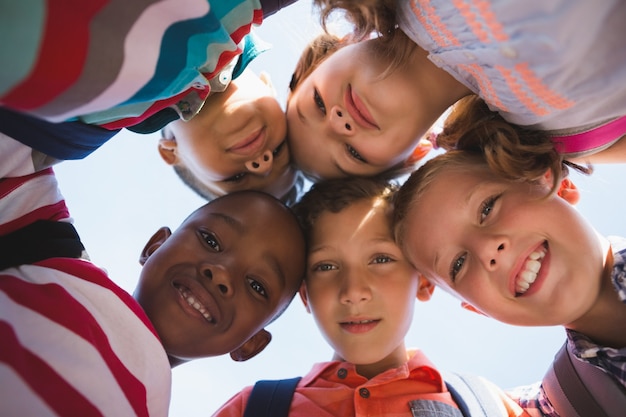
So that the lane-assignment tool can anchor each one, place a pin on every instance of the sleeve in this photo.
(532, 399)
(236, 406)
(272, 6)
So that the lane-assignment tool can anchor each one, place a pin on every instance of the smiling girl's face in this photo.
(504, 247)
(345, 119)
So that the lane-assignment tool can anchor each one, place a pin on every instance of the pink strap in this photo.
(591, 139)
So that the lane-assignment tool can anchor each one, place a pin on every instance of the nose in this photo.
(262, 164)
(491, 251)
(220, 277)
(354, 288)
(341, 122)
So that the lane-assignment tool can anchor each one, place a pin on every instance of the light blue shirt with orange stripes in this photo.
(556, 65)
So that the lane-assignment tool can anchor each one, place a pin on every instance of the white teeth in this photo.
(195, 304)
(529, 274)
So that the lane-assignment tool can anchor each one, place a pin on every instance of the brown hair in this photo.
(334, 195)
(511, 151)
(368, 17)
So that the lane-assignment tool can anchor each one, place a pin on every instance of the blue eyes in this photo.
(318, 101)
(485, 209)
(487, 206)
(457, 264)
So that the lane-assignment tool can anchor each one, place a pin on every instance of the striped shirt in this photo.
(73, 342)
(116, 63)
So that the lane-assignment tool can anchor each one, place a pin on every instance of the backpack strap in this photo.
(473, 395)
(578, 389)
(40, 240)
(271, 398)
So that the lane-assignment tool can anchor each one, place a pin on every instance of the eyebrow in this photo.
(230, 221)
(275, 266)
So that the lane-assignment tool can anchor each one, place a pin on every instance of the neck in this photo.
(605, 322)
(371, 369)
(442, 89)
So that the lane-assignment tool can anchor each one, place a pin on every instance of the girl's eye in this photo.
(487, 206)
(353, 153)
(382, 259)
(318, 101)
(257, 287)
(324, 267)
(456, 266)
(237, 177)
(211, 240)
(279, 148)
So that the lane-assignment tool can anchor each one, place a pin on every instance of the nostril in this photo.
(348, 126)
(223, 288)
(340, 114)
(208, 273)
(266, 158)
(501, 246)
(255, 165)
(492, 262)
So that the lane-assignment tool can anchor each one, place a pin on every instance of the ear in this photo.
(421, 150)
(425, 288)
(154, 243)
(252, 346)
(471, 308)
(303, 297)
(167, 150)
(568, 191)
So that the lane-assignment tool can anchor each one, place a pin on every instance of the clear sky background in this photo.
(120, 195)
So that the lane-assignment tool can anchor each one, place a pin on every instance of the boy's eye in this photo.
(318, 101)
(236, 177)
(279, 148)
(211, 240)
(382, 259)
(354, 154)
(257, 287)
(487, 206)
(323, 267)
(456, 266)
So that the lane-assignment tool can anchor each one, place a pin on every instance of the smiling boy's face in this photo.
(229, 268)
(236, 142)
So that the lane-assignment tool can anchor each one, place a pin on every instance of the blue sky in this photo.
(120, 195)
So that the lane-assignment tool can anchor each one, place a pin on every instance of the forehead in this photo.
(248, 209)
(366, 219)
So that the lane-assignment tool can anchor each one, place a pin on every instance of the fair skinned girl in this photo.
(514, 58)
(516, 250)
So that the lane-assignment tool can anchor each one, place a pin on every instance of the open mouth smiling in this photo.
(530, 270)
(194, 303)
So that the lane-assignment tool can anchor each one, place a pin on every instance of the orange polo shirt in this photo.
(334, 389)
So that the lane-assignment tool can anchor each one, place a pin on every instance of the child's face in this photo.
(344, 119)
(216, 281)
(359, 288)
(502, 248)
(236, 141)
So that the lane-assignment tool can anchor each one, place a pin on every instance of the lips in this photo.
(358, 111)
(197, 302)
(359, 326)
(251, 144)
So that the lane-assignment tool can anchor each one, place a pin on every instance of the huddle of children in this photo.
(511, 251)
